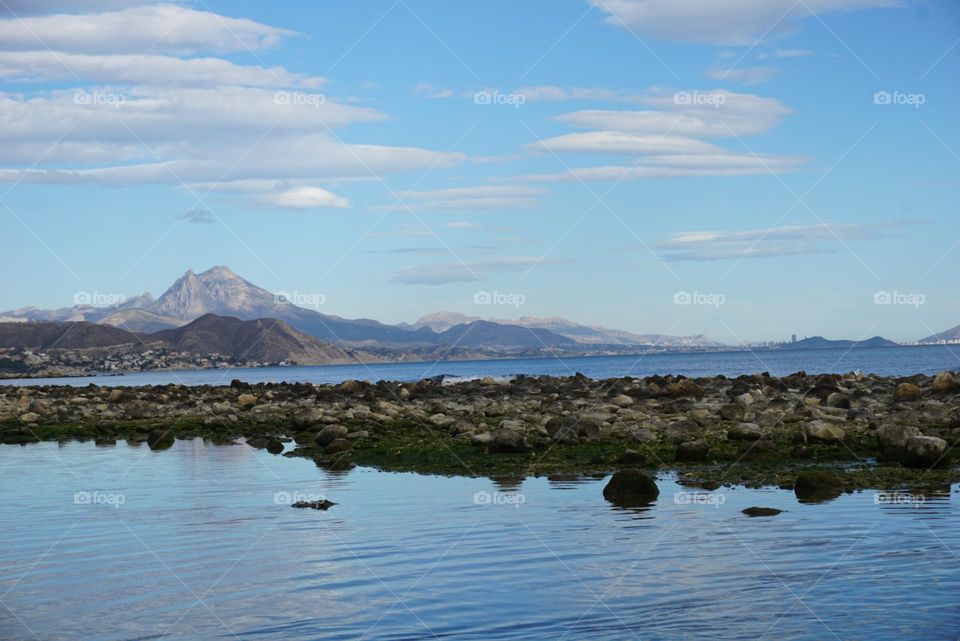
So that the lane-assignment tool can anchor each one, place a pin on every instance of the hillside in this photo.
(819, 342)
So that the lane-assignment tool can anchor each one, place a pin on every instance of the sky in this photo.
(745, 169)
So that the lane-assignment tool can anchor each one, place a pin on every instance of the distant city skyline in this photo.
(789, 169)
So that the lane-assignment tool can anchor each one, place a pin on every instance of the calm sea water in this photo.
(889, 361)
(197, 542)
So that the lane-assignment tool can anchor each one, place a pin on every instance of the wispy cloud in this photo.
(468, 198)
(775, 241)
(197, 216)
(742, 75)
(458, 272)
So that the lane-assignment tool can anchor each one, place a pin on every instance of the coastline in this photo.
(871, 431)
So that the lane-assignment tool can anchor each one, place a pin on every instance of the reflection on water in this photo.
(199, 542)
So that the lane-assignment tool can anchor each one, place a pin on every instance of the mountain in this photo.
(46, 335)
(952, 334)
(140, 321)
(819, 342)
(264, 340)
(596, 335)
(441, 321)
(488, 334)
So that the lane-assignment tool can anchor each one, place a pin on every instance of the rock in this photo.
(513, 424)
(38, 406)
(483, 438)
(338, 445)
(686, 388)
(838, 399)
(305, 439)
(925, 452)
(331, 433)
(693, 451)
(259, 442)
(744, 400)
(644, 436)
(29, 417)
(731, 412)
(308, 417)
(246, 401)
(945, 383)
(507, 442)
(682, 430)
(322, 504)
(622, 401)
(745, 432)
(160, 439)
(117, 395)
(906, 392)
(762, 511)
(631, 487)
(892, 439)
(138, 409)
(632, 457)
(441, 420)
(567, 429)
(817, 485)
(275, 447)
(823, 432)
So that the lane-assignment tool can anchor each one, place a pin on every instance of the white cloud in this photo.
(787, 53)
(615, 142)
(469, 198)
(742, 75)
(725, 22)
(304, 198)
(44, 66)
(775, 241)
(726, 114)
(163, 28)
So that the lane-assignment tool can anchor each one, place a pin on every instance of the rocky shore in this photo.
(866, 431)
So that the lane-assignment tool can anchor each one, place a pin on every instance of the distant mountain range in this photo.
(952, 334)
(221, 292)
(819, 342)
(263, 340)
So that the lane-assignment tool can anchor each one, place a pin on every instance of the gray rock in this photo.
(892, 437)
(631, 487)
(693, 451)
(731, 412)
(507, 442)
(331, 433)
(682, 430)
(823, 432)
(644, 435)
(925, 452)
(745, 432)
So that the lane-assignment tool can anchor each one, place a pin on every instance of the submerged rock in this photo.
(160, 439)
(761, 511)
(814, 486)
(322, 504)
(631, 487)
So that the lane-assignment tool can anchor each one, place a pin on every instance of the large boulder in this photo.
(906, 392)
(246, 401)
(331, 433)
(631, 486)
(137, 409)
(686, 388)
(693, 451)
(682, 430)
(925, 452)
(824, 432)
(945, 383)
(570, 429)
(892, 439)
(745, 432)
(732, 412)
(160, 439)
(507, 441)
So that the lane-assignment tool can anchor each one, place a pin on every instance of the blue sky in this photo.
(396, 158)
